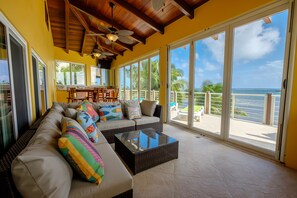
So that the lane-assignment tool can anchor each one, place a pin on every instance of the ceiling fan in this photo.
(112, 33)
(99, 53)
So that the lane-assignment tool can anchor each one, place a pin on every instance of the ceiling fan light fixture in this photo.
(97, 55)
(112, 37)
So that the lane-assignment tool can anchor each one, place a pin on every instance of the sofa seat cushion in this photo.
(146, 120)
(116, 177)
(115, 124)
(101, 138)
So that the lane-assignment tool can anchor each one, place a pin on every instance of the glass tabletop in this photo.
(145, 139)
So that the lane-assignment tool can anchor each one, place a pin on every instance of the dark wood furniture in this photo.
(144, 149)
(73, 96)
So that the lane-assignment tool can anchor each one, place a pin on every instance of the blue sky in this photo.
(257, 56)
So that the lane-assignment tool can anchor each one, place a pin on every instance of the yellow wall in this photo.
(291, 149)
(29, 20)
(75, 57)
(212, 13)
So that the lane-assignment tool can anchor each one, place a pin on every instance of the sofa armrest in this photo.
(158, 112)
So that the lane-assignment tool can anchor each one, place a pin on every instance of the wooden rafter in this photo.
(67, 5)
(85, 24)
(184, 8)
(91, 12)
(157, 27)
(83, 43)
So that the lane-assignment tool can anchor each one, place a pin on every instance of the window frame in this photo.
(138, 62)
(72, 63)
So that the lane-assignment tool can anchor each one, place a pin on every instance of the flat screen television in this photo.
(104, 64)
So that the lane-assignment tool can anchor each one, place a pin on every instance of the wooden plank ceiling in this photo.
(82, 25)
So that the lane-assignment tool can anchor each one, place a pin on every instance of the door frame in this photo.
(35, 55)
(11, 31)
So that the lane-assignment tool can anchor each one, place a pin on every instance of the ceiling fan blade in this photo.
(95, 34)
(125, 39)
(124, 32)
(107, 54)
(102, 56)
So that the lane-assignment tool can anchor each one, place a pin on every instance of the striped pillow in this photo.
(88, 125)
(88, 107)
(80, 152)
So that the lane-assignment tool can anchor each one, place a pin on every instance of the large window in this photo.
(70, 73)
(99, 76)
(141, 80)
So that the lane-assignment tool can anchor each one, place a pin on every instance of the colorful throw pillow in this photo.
(112, 112)
(133, 113)
(88, 125)
(67, 123)
(81, 154)
(88, 107)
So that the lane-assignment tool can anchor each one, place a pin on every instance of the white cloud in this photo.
(185, 65)
(197, 56)
(209, 66)
(216, 47)
(253, 41)
(272, 66)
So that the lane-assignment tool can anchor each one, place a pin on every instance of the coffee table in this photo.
(146, 148)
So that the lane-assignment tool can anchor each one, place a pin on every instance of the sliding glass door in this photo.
(208, 83)
(230, 82)
(179, 92)
(257, 75)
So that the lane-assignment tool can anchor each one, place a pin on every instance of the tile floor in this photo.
(211, 168)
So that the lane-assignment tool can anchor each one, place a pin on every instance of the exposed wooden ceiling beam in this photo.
(157, 27)
(91, 12)
(67, 6)
(85, 24)
(184, 8)
(83, 43)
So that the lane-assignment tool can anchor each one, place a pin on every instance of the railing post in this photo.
(233, 106)
(272, 110)
(145, 94)
(175, 97)
(268, 108)
(207, 103)
(154, 95)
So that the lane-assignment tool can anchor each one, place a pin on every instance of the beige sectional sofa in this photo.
(41, 171)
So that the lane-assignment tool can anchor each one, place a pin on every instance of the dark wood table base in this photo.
(147, 159)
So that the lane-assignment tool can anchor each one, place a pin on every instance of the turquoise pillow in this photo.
(80, 153)
(87, 123)
(111, 112)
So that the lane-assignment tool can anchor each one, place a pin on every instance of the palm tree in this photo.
(177, 81)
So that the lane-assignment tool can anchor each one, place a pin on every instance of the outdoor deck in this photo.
(257, 134)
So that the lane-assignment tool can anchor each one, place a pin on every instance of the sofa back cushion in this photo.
(41, 171)
(71, 113)
(148, 107)
(80, 152)
(112, 112)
